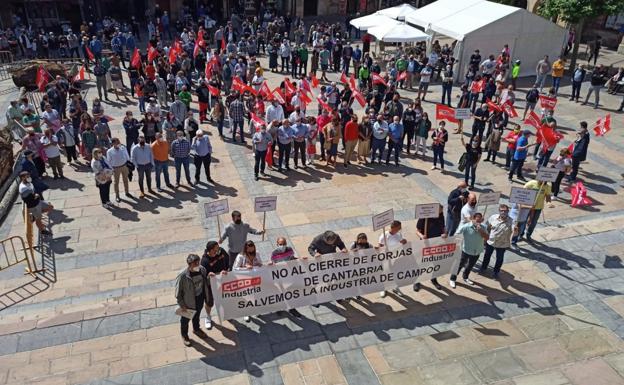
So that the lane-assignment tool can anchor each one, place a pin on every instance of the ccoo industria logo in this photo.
(439, 249)
(240, 284)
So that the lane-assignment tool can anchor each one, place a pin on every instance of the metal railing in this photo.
(6, 64)
(14, 251)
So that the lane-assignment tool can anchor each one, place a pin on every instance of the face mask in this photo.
(142, 143)
(29, 180)
(238, 221)
(161, 139)
(280, 248)
(195, 269)
(33, 134)
(504, 214)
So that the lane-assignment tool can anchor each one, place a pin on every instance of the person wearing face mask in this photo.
(456, 200)
(236, 233)
(203, 150)
(284, 253)
(191, 292)
(143, 160)
(500, 228)
(34, 203)
(579, 153)
(380, 133)
(248, 259)
(181, 150)
(274, 112)
(431, 228)
(395, 140)
(473, 156)
(474, 233)
(216, 261)
(260, 141)
(300, 133)
(160, 152)
(469, 208)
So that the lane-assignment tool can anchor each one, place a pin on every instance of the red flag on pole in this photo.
(357, 95)
(444, 112)
(352, 82)
(223, 43)
(493, 106)
(90, 54)
(258, 121)
(135, 61)
(303, 96)
(196, 48)
(325, 106)
(343, 78)
(510, 110)
(42, 78)
(269, 156)
(402, 76)
(547, 103)
(80, 75)
(277, 95)
(315, 81)
(152, 53)
(476, 87)
(213, 90)
(533, 120)
(305, 84)
(265, 90)
(579, 195)
(237, 84)
(603, 125)
(379, 80)
(289, 88)
(177, 46)
(172, 55)
(571, 149)
(546, 135)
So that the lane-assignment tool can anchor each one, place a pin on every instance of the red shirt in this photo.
(512, 136)
(322, 121)
(351, 131)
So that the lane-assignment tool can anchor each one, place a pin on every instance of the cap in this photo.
(199, 132)
(28, 153)
(527, 132)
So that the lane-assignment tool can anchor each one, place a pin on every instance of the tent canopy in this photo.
(393, 33)
(398, 12)
(438, 10)
(373, 20)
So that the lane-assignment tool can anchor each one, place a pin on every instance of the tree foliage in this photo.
(573, 11)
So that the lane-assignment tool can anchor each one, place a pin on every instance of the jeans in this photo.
(104, 192)
(161, 166)
(239, 125)
(396, 146)
(284, 155)
(446, 93)
(470, 173)
(452, 222)
(557, 183)
(179, 162)
(184, 322)
(544, 158)
(421, 145)
(556, 83)
(576, 162)
(145, 171)
(596, 91)
(500, 255)
(100, 83)
(508, 156)
(576, 90)
(516, 167)
(142, 104)
(378, 145)
(438, 154)
(198, 161)
(299, 149)
(529, 225)
(540, 79)
(70, 151)
(220, 126)
(466, 262)
(260, 161)
(285, 60)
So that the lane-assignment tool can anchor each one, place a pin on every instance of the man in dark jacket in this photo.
(216, 261)
(326, 243)
(597, 81)
(456, 200)
(579, 154)
(191, 291)
(578, 77)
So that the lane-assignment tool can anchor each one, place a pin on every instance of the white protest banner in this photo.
(462, 113)
(427, 210)
(216, 208)
(264, 204)
(545, 174)
(382, 220)
(522, 196)
(487, 199)
(331, 277)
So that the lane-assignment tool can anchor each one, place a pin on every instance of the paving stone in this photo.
(541, 354)
(497, 365)
(407, 353)
(454, 343)
(267, 376)
(299, 350)
(585, 343)
(403, 377)
(110, 325)
(595, 372)
(448, 372)
(56, 335)
(578, 317)
(498, 334)
(355, 368)
(545, 378)
(616, 361)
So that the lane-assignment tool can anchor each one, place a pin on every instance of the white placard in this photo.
(264, 204)
(382, 220)
(545, 174)
(214, 208)
(489, 199)
(522, 196)
(303, 282)
(462, 113)
(428, 210)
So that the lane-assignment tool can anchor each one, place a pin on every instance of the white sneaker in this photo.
(452, 283)
(469, 282)
(208, 322)
(398, 292)
(247, 318)
(382, 294)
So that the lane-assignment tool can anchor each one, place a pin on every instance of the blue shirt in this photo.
(299, 131)
(201, 145)
(96, 46)
(395, 130)
(357, 54)
(117, 157)
(521, 154)
(285, 135)
(142, 155)
(473, 241)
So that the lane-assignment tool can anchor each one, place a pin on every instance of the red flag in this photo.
(108, 118)
(533, 120)
(603, 125)
(152, 53)
(172, 55)
(200, 34)
(223, 42)
(571, 149)
(249, 89)
(352, 81)
(357, 95)
(289, 88)
(315, 81)
(402, 76)
(196, 48)
(213, 90)
(343, 78)
(325, 106)
(379, 80)
(258, 121)
(277, 95)
(265, 90)
(547, 103)
(269, 156)
(579, 195)
(43, 78)
(237, 84)
(546, 135)
(510, 110)
(444, 112)
(303, 96)
(493, 106)
(477, 87)
(80, 74)
(177, 46)
(305, 84)
(135, 61)
(90, 54)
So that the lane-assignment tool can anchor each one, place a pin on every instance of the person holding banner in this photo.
(248, 259)
(431, 228)
(236, 234)
(393, 239)
(500, 228)
(191, 291)
(284, 253)
(474, 232)
(216, 261)
(326, 243)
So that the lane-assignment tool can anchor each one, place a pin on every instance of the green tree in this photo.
(577, 13)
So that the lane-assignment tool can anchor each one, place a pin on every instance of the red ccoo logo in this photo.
(440, 249)
(240, 284)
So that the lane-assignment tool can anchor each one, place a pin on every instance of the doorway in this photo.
(310, 7)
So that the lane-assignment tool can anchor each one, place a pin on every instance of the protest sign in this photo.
(262, 205)
(462, 113)
(331, 277)
(428, 210)
(382, 220)
(487, 199)
(545, 174)
(522, 196)
(216, 208)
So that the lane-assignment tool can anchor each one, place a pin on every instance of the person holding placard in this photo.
(439, 137)
(216, 261)
(392, 239)
(456, 200)
(563, 163)
(474, 232)
(236, 234)
(191, 292)
(500, 228)
(543, 194)
(431, 228)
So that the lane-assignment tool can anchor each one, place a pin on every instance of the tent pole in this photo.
(460, 60)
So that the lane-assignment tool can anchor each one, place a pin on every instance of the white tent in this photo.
(373, 20)
(488, 26)
(398, 12)
(400, 33)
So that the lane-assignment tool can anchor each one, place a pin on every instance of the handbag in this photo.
(461, 165)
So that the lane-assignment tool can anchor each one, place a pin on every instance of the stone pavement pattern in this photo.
(554, 318)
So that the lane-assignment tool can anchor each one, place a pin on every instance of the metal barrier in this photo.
(13, 251)
(6, 64)
(34, 98)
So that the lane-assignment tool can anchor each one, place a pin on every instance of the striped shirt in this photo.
(181, 148)
(237, 111)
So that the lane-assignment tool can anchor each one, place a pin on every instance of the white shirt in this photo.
(274, 113)
(53, 150)
(467, 211)
(394, 240)
(293, 116)
(154, 110)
